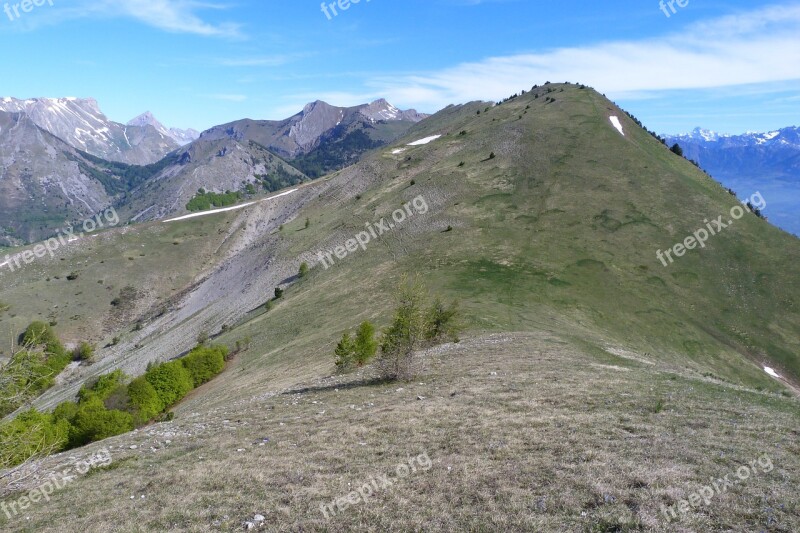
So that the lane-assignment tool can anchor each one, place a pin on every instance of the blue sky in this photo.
(731, 66)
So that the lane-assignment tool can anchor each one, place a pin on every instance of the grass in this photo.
(120, 258)
(524, 433)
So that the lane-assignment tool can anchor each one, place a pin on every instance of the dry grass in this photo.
(525, 433)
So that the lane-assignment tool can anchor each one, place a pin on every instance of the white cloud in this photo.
(755, 47)
(175, 16)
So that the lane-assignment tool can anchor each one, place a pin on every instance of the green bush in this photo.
(364, 344)
(103, 387)
(414, 327)
(39, 334)
(171, 381)
(65, 411)
(84, 352)
(94, 422)
(205, 362)
(143, 401)
(31, 434)
(31, 370)
(443, 322)
(345, 352)
(358, 350)
(204, 201)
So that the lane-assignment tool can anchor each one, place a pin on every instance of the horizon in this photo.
(278, 119)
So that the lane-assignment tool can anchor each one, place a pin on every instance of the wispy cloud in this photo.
(756, 47)
(174, 16)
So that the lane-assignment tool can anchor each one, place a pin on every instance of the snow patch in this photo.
(426, 140)
(615, 121)
(771, 372)
(398, 151)
(225, 209)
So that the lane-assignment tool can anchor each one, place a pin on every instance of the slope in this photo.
(554, 238)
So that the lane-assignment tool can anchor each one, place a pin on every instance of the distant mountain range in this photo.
(80, 123)
(64, 160)
(765, 162)
(180, 136)
(322, 138)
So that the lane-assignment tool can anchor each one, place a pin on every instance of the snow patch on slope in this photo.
(426, 140)
(225, 209)
(615, 121)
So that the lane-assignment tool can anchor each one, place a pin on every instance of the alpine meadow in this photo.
(512, 303)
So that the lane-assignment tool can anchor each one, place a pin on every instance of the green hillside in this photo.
(593, 384)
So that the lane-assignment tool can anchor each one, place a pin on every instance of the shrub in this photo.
(406, 333)
(203, 201)
(492, 156)
(676, 149)
(84, 352)
(345, 351)
(442, 323)
(413, 328)
(94, 422)
(102, 387)
(278, 293)
(40, 334)
(118, 398)
(303, 270)
(65, 411)
(171, 381)
(202, 337)
(31, 434)
(205, 362)
(144, 404)
(32, 369)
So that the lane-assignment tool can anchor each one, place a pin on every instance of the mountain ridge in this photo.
(80, 123)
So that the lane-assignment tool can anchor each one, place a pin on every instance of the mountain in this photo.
(81, 124)
(599, 386)
(323, 138)
(593, 388)
(766, 162)
(182, 137)
(212, 165)
(239, 157)
(44, 182)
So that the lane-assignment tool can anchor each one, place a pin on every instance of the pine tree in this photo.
(345, 352)
(365, 344)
